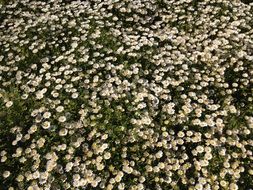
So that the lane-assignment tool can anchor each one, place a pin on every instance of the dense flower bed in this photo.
(126, 94)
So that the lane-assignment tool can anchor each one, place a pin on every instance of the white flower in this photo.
(74, 95)
(121, 186)
(74, 45)
(50, 165)
(9, 104)
(200, 149)
(250, 171)
(180, 134)
(94, 183)
(127, 169)
(59, 108)
(20, 178)
(232, 109)
(140, 186)
(107, 155)
(233, 186)
(47, 115)
(41, 142)
(63, 132)
(199, 186)
(62, 119)
(39, 95)
(46, 125)
(6, 174)
(208, 156)
(33, 129)
(3, 159)
(161, 165)
(100, 167)
(223, 183)
(36, 175)
(19, 151)
(69, 166)
(159, 154)
(118, 178)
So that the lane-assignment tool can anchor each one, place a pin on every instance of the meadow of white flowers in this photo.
(126, 94)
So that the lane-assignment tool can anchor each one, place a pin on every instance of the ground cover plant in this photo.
(130, 94)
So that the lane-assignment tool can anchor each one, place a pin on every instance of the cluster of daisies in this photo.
(126, 95)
